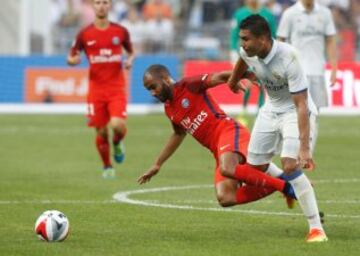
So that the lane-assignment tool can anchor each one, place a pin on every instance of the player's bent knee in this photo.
(226, 171)
(226, 200)
(102, 131)
(289, 166)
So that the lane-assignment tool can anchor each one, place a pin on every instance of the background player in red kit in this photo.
(192, 110)
(102, 43)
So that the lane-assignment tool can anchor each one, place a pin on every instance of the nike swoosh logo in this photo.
(91, 42)
(223, 147)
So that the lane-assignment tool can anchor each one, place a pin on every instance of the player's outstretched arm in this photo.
(170, 147)
(305, 158)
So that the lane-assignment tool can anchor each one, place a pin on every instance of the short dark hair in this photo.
(157, 70)
(257, 25)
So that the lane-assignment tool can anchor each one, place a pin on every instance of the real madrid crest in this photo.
(116, 40)
(185, 103)
(276, 75)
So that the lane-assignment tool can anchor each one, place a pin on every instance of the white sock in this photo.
(307, 201)
(273, 170)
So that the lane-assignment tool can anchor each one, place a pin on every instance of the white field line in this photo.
(124, 198)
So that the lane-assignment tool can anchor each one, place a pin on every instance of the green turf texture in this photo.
(50, 162)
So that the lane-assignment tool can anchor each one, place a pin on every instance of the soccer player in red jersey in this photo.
(192, 110)
(102, 43)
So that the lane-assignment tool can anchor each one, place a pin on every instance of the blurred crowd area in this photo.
(189, 28)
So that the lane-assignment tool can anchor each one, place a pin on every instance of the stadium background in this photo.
(190, 37)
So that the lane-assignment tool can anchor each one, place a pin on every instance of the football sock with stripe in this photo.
(248, 193)
(306, 197)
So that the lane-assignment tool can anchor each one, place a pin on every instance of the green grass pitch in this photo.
(50, 162)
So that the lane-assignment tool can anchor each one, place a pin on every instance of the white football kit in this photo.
(307, 31)
(281, 74)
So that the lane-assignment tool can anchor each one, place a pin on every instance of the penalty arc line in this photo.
(123, 197)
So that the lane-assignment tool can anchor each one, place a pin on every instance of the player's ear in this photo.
(167, 79)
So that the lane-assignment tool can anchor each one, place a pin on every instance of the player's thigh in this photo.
(117, 106)
(318, 91)
(97, 114)
(233, 138)
(265, 139)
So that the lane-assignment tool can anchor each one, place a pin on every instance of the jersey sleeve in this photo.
(77, 44)
(295, 75)
(284, 26)
(197, 84)
(330, 29)
(126, 41)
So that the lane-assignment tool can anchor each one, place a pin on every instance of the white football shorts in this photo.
(318, 91)
(275, 133)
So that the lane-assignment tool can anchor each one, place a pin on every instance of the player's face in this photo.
(250, 43)
(101, 8)
(308, 2)
(159, 88)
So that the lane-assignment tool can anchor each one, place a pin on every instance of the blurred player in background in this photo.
(287, 119)
(310, 28)
(191, 109)
(250, 7)
(102, 43)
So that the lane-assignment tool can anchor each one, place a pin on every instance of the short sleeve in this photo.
(77, 44)
(197, 84)
(284, 26)
(330, 29)
(126, 41)
(295, 75)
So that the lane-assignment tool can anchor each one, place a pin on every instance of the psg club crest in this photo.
(115, 40)
(185, 103)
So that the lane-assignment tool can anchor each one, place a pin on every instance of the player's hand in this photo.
(333, 78)
(236, 88)
(128, 64)
(305, 160)
(146, 177)
(74, 59)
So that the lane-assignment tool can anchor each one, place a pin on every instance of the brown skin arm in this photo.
(130, 59)
(174, 141)
(239, 72)
(332, 57)
(305, 158)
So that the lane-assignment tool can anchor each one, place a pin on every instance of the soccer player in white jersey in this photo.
(284, 122)
(310, 28)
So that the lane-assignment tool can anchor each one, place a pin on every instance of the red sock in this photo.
(252, 176)
(248, 193)
(103, 148)
(118, 137)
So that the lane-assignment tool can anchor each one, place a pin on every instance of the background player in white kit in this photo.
(286, 116)
(310, 28)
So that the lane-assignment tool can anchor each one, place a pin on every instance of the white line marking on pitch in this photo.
(57, 202)
(124, 198)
